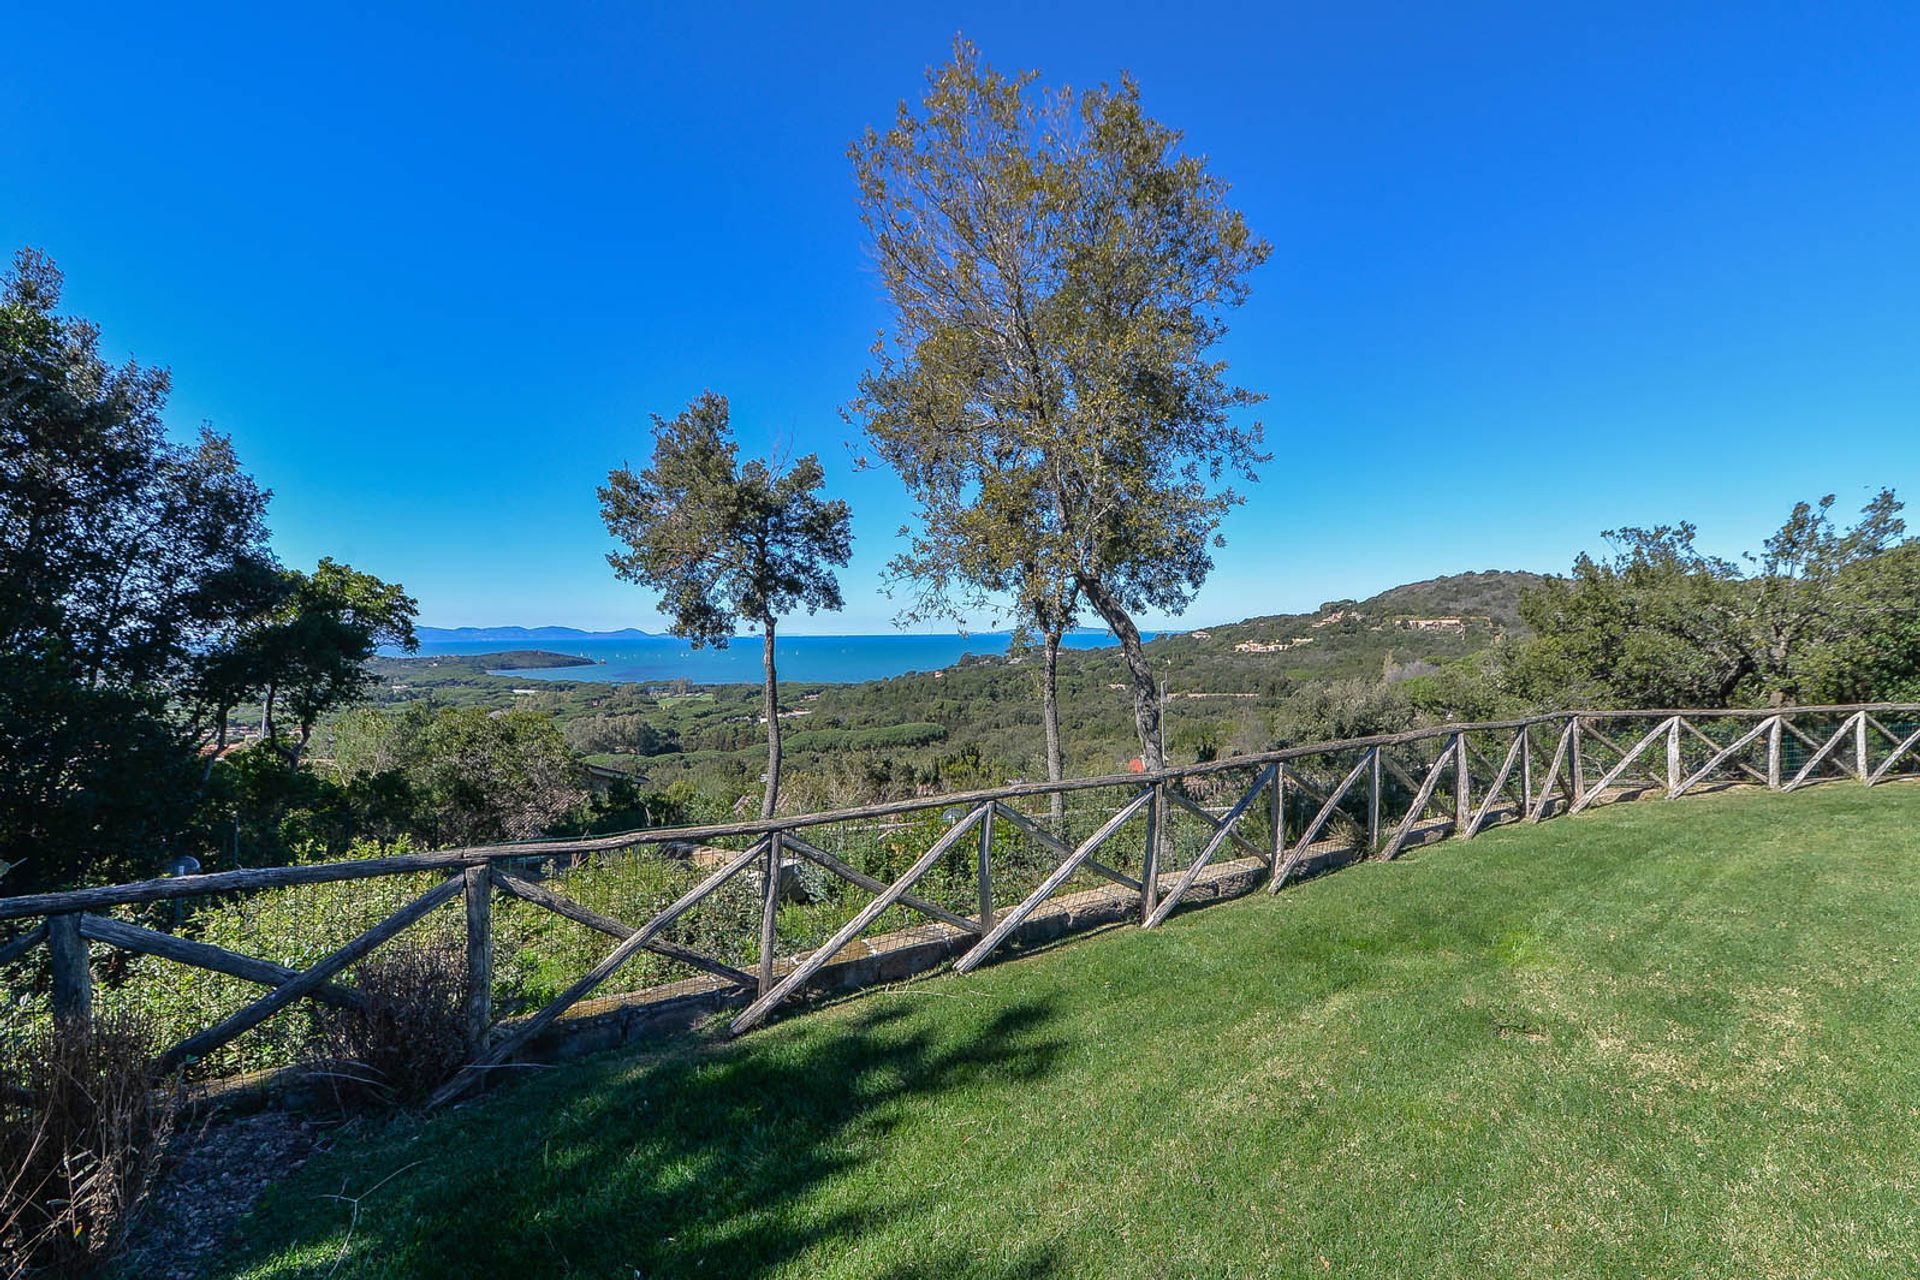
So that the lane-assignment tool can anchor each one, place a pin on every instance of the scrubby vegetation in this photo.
(84, 1124)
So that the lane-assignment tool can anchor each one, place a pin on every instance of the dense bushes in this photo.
(625, 734)
(536, 953)
(916, 734)
(294, 927)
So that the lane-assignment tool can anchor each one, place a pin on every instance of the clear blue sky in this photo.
(1536, 272)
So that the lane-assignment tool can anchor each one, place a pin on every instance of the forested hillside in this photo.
(1241, 687)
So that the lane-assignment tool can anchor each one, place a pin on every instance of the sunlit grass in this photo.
(1656, 1039)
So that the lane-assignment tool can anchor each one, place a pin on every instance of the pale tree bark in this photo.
(1146, 694)
(1050, 718)
(219, 745)
(770, 797)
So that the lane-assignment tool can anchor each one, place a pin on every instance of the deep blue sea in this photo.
(826, 659)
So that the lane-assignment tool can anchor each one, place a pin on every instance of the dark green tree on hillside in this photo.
(139, 605)
(312, 649)
(724, 541)
(1820, 614)
(124, 555)
(1058, 270)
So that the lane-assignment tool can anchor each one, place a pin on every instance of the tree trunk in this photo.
(1050, 717)
(771, 796)
(213, 756)
(1146, 695)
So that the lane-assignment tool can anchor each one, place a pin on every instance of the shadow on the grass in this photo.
(699, 1163)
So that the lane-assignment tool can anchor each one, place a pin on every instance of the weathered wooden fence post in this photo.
(72, 975)
(1774, 733)
(1150, 858)
(1526, 770)
(1860, 747)
(1373, 804)
(1462, 785)
(1577, 768)
(1673, 755)
(478, 887)
(769, 910)
(986, 869)
(1278, 848)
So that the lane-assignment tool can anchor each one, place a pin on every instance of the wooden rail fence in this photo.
(1319, 804)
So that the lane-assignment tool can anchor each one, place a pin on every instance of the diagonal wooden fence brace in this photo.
(1199, 811)
(309, 980)
(1061, 874)
(1061, 847)
(1722, 755)
(504, 1048)
(1399, 773)
(1622, 765)
(1420, 799)
(204, 955)
(1814, 744)
(1741, 765)
(756, 1012)
(1485, 810)
(541, 896)
(1413, 784)
(853, 875)
(1543, 798)
(1905, 745)
(1321, 819)
(23, 944)
(1228, 822)
(1827, 749)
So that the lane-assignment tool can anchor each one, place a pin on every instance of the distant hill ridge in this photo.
(1490, 594)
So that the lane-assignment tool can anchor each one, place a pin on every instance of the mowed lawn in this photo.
(1658, 1039)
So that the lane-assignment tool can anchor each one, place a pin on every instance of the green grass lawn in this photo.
(1653, 1040)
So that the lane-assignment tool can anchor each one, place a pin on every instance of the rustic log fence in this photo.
(1283, 813)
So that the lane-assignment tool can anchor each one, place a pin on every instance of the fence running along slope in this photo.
(1303, 807)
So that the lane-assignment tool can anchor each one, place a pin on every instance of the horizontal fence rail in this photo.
(1279, 814)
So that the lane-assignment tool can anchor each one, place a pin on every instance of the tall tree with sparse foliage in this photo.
(971, 556)
(1059, 269)
(724, 541)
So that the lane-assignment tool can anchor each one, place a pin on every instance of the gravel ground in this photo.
(215, 1175)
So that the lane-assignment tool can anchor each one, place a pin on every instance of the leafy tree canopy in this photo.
(124, 556)
(1058, 269)
(724, 541)
(1821, 613)
(139, 604)
(721, 540)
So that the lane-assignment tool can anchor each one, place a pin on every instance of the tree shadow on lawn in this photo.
(698, 1161)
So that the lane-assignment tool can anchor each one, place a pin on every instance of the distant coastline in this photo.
(518, 635)
(640, 658)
